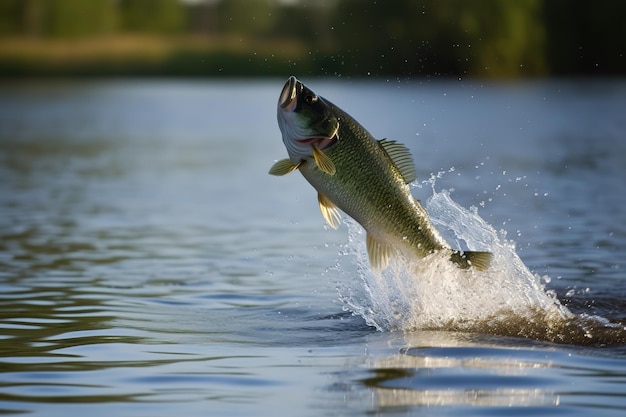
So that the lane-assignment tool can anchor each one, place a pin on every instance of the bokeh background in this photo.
(149, 266)
(357, 38)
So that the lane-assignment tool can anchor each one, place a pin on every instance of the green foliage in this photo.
(587, 37)
(21, 17)
(406, 38)
(494, 37)
(153, 16)
(486, 37)
(252, 17)
(79, 18)
(9, 9)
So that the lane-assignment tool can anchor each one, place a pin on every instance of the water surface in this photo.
(150, 266)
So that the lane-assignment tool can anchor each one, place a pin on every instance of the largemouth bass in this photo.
(364, 177)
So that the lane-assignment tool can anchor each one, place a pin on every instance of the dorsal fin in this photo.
(401, 157)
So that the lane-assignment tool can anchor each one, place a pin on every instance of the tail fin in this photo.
(478, 260)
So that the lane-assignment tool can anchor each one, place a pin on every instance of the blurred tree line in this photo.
(407, 38)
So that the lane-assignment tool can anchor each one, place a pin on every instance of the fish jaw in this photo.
(305, 121)
(287, 99)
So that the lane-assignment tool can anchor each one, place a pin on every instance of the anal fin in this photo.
(329, 211)
(478, 260)
(378, 252)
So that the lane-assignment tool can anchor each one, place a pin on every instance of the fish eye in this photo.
(310, 99)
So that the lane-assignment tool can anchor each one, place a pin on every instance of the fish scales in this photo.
(366, 178)
(370, 189)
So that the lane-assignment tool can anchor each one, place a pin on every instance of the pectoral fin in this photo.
(329, 211)
(378, 252)
(323, 161)
(283, 167)
(478, 260)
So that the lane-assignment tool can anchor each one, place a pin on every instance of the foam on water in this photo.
(432, 293)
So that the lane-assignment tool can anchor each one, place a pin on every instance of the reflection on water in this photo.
(405, 381)
(148, 264)
(441, 372)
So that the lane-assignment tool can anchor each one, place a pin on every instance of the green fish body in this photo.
(364, 177)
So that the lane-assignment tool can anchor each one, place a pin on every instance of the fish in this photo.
(366, 178)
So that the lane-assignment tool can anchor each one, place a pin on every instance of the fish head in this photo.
(306, 120)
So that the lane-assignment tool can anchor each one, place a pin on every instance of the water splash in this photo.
(432, 293)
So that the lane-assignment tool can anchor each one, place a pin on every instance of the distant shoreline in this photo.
(141, 55)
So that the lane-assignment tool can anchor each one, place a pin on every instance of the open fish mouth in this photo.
(307, 122)
(320, 142)
(288, 98)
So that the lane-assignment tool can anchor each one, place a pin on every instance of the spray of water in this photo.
(432, 293)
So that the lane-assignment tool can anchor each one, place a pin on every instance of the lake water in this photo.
(151, 267)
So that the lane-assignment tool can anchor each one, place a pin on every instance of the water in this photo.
(150, 266)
